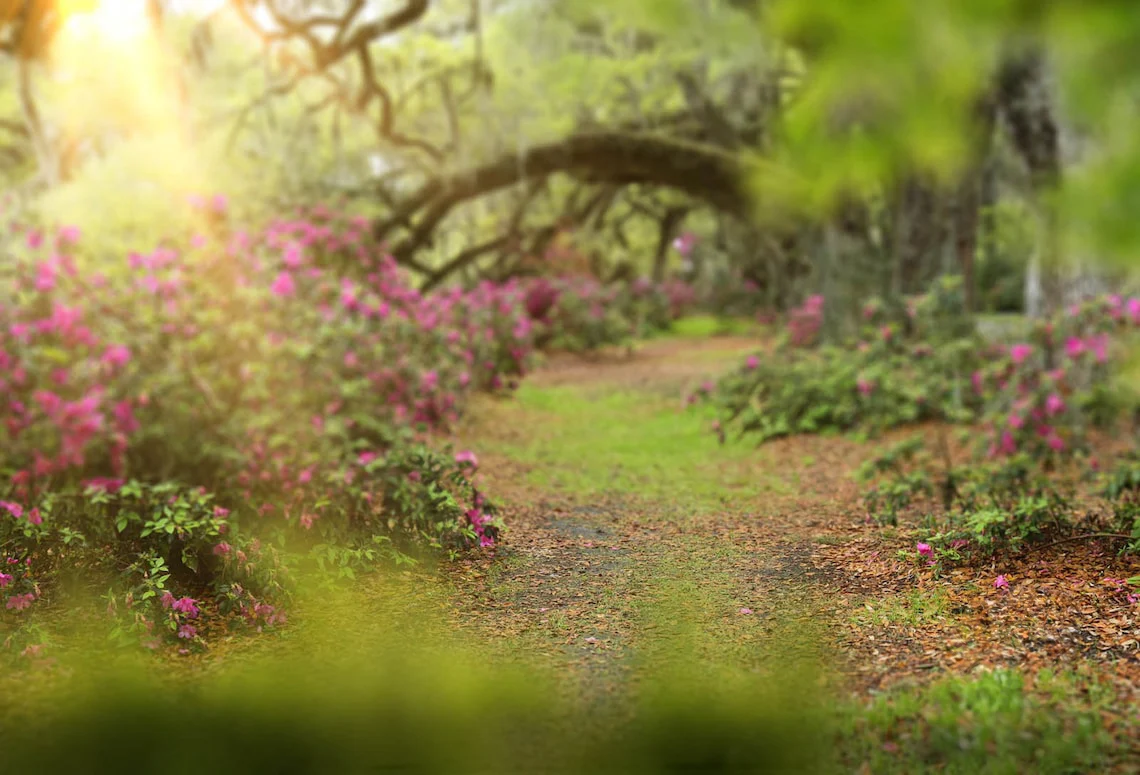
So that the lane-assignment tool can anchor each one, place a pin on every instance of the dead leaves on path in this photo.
(892, 618)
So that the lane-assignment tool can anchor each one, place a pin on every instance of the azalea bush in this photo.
(924, 361)
(581, 314)
(1039, 401)
(896, 372)
(967, 507)
(271, 399)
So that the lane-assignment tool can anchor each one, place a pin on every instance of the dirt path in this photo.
(634, 536)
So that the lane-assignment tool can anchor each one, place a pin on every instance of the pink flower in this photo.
(117, 355)
(283, 285)
(45, 276)
(976, 381)
(5, 580)
(1001, 583)
(1016, 421)
(307, 520)
(467, 457)
(1133, 308)
(886, 333)
(924, 550)
(1055, 442)
(15, 509)
(1054, 404)
(486, 542)
(1008, 444)
(187, 632)
(220, 512)
(364, 458)
(34, 517)
(186, 605)
(68, 235)
(866, 387)
(1019, 352)
(20, 602)
(752, 362)
(1074, 346)
(745, 611)
(223, 549)
(292, 258)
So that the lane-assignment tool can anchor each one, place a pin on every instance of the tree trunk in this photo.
(674, 217)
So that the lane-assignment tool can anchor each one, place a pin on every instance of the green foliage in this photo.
(998, 722)
(1121, 488)
(903, 370)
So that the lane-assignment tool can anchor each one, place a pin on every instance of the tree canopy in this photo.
(803, 140)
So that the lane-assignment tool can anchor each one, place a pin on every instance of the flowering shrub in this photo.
(894, 374)
(243, 369)
(805, 322)
(977, 508)
(928, 363)
(581, 314)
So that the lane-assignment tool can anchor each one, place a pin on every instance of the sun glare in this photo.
(117, 21)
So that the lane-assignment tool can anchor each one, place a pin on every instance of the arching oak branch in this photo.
(705, 173)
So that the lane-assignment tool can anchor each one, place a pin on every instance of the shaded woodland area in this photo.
(517, 386)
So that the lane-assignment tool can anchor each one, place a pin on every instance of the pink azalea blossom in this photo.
(186, 605)
(924, 550)
(1001, 583)
(1133, 307)
(752, 362)
(187, 632)
(745, 611)
(1018, 353)
(1074, 346)
(117, 355)
(15, 509)
(5, 580)
(283, 285)
(467, 457)
(1054, 404)
(20, 602)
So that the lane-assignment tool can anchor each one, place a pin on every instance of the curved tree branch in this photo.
(704, 173)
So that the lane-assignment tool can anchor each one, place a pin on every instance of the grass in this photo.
(999, 722)
(631, 442)
(706, 326)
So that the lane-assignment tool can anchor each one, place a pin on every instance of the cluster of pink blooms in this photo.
(18, 577)
(1033, 413)
(182, 608)
(805, 321)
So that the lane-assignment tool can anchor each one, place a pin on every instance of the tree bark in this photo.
(704, 173)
